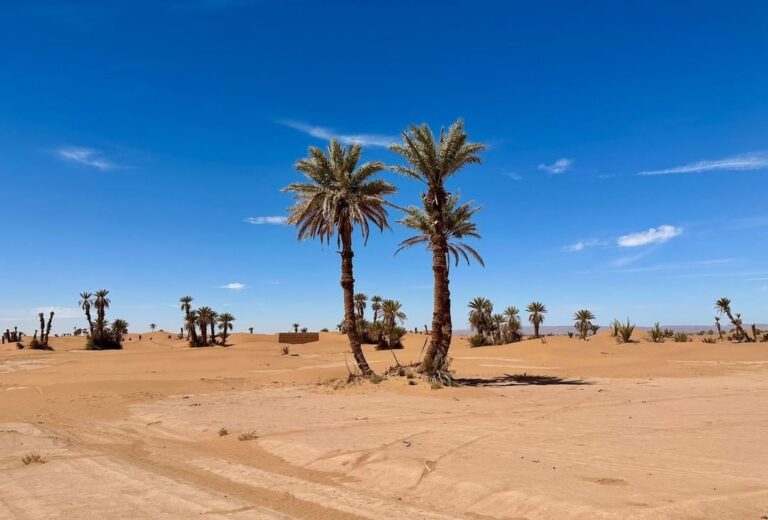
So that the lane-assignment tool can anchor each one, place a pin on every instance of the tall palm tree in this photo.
(480, 312)
(101, 302)
(225, 325)
(583, 322)
(723, 306)
(376, 307)
(360, 304)
(212, 322)
(497, 322)
(433, 162)
(458, 225)
(152, 326)
(85, 303)
(186, 308)
(203, 318)
(338, 196)
(190, 322)
(536, 312)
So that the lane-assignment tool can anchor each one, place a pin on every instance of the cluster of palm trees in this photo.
(338, 196)
(386, 329)
(206, 320)
(583, 322)
(103, 335)
(500, 328)
(723, 307)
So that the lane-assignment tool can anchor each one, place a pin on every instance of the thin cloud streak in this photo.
(327, 134)
(750, 161)
(559, 166)
(657, 235)
(674, 266)
(581, 245)
(275, 220)
(234, 286)
(86, 156)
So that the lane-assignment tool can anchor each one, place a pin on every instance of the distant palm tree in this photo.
(295, 327)
(120, 329)
(536, 312)
(339, 196)
(376, 307)
(458, 225)
(723, 306)
(360, 304)
(391, 312)
(186, 307)
(212, 322)
(101, 302)
(203, 318)
(583, 322)
(498, 321)
(432, 162)
(719, 329)
(514, 326)
(225, 325)
(250, 329)
(190, 322)
(85, 303)
(152, 326)
(480, 312)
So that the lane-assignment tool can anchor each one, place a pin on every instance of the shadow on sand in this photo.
(519, 380)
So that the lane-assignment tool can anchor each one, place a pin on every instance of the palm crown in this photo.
(339, 194)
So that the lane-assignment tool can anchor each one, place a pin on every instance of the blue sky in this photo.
(626, 172)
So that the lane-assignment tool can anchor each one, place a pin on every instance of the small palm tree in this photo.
(480, 312)
(719, 329)
(536, 312)
(392, 313)
(152, 326)
(514, 326)
(186, 307)
(376, 307)
(723, 306)
(498, 321)
(295, 327)
(432, 162)
(583, 322)
(339, 196)
(120, 329)
(190, 322)
(225, 325)
(85, 304)
(360, 304)
(101, 302)
(212, 323)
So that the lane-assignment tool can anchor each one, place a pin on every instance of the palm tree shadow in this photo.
(520, 380)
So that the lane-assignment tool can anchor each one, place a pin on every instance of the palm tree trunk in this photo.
(204, 333)
(348, 288)
(740, 332)
(213, 332)
(90, 320)
(536, 329)
(442, 327)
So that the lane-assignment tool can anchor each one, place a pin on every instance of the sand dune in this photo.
(555, 429)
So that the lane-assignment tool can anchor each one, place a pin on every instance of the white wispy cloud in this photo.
(750, 161)
(657, 235)
(86, 156)
(274, 220)
(514, 176)
(583, 244)
(326, 134)
(60, 312)
(676, 266)
(559, 166)
(234, 286)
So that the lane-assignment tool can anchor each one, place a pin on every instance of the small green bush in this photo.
(680, 337)
(478, 340)
(656, 335)
(285, 350)
(624, 331)
(709, 340)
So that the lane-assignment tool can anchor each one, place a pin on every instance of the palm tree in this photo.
(203, 318)
(360, 304)
(391, 312)
(583, 322)
(433, 163)
(536, 312)
(120, 329)
(376, 307)
(723, 306)
(190, 322)
(101, 302)
(212, 322)
(498, 321)
(295, 328)
(186, 307)
(458, 225)
(512, 315)
(152, 326)
(480, 313)
(719, 329)
(85, 303)
(225, 325)
(339, 196)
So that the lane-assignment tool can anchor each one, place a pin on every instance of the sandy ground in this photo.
(541, 430)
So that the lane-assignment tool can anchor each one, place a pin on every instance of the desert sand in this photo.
(559, 428)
